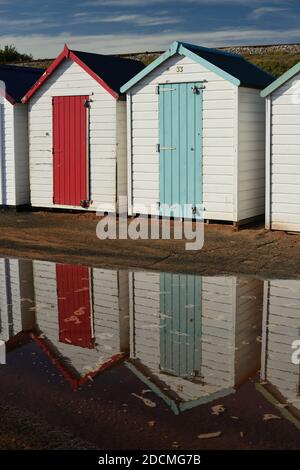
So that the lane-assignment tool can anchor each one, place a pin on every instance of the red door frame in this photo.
(70, 151)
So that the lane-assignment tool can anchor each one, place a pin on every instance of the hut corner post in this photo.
(268, 163)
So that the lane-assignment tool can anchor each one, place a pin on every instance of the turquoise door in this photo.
(180, 149)
(180, 325)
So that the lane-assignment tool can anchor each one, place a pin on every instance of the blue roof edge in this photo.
(156, 63)
(280, 81)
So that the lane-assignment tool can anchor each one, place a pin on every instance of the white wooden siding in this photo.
(122, 152)
(285, 162)
(8, 177)
(251, 154)
(248, 328)
(4, 301)
(16, 297)
(21, 154)
(219, 138)
(14, 167)
(230, 323)
(110, 314)
(281, 330)
(70, 79)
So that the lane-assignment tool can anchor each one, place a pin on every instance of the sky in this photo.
(114, 26)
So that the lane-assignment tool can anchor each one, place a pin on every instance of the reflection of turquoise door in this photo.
(180, 326)
(180, 147)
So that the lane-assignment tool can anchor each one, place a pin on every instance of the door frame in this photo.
(88, 155)
(200, 87)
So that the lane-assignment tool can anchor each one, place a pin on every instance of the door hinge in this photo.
(159, 90)
(158, 148)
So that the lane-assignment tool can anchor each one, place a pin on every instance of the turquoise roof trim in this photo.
(176, 406)
(178, 48)
(156, 63)
(281, 81)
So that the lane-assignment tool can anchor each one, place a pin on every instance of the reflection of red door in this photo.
(70, 150)
(74, 306)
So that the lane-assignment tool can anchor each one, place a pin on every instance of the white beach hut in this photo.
(196, 126)
(282, 152)
(77, 132)
(15, 81)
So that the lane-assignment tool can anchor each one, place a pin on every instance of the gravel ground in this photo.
(71, 237)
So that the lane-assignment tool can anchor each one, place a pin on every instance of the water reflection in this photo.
(81, 318)
(190, 339)
(193, 338)
(281, 327)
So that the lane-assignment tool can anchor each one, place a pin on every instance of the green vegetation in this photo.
(275, 63)
(10, 54)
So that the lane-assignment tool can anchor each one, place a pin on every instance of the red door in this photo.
(70, 150)
(74, 306)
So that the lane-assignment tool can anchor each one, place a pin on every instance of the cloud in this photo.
(24, 24)
(43, 46)
(263, 11)
(134, 19)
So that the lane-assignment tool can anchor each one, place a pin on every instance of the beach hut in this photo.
(193, 339)
(81, 318)
(280, 372)
(196, 125)
(15, 81)
(77, 132)
(282, 151)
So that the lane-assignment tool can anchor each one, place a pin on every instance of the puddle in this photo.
(147, 359)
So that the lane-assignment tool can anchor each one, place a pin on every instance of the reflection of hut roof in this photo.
(273, 395)
(170, 397)
(17, 341)
(65, 367)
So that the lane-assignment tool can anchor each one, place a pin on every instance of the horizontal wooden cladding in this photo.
(251, 164)
(286, 119)
(286, 109)
(287, 99)
(282, 208)
(285, 149)
(285, 130)
(290, 167)
(286, 139)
